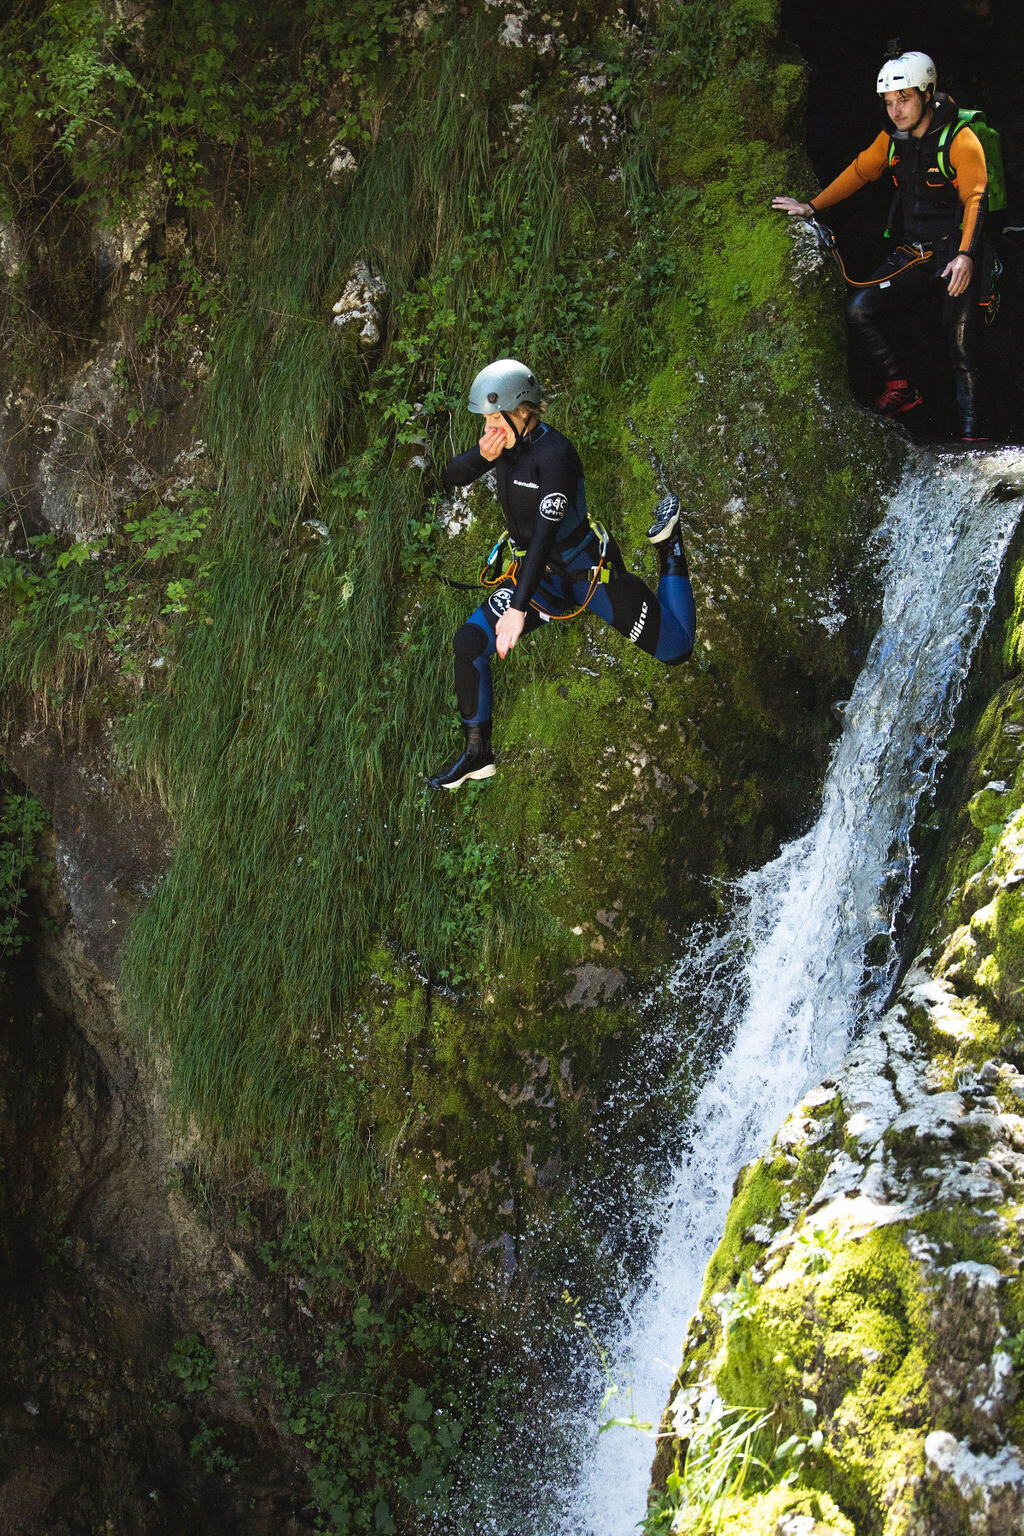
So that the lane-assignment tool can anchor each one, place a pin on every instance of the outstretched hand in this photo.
(794, 207)
(508, 629)
(959, 271)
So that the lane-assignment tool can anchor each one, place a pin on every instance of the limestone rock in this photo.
(359, 304)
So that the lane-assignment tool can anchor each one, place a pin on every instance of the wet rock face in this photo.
(112, 847)
(101, 1271)
(876, 1277)
(83, 1333)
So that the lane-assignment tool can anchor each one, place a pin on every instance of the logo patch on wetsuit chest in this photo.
(553, 507)
(527, 485)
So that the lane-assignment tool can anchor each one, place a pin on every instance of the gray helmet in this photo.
(503, 385)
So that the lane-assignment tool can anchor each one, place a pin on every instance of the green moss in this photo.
(756, 1198)
(963, 1232)
(763, 1513)
(855, 1339)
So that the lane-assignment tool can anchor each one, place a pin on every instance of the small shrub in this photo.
(193, 1362)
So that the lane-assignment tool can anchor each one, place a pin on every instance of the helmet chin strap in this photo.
(926, 106)
(519, 436)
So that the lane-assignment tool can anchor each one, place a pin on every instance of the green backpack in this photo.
(991, 143)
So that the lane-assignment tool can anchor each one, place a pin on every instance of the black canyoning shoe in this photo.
(966, 381)
(666, 516)
(477, 762)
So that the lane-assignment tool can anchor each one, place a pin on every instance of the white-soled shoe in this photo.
(666, 516)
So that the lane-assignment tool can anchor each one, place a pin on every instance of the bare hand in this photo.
(793, 206)
(508, 629)
(959, 271)
(493, 441)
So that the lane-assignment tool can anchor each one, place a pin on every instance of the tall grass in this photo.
(292, 740)
(310, 693)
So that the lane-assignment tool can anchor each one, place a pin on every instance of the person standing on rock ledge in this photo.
(561, 563)
(941, 180)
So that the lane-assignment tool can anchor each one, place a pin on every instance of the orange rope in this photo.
(876, 282)
(512, 572)
(594, 580)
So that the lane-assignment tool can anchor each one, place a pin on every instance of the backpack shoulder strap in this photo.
(966, 117)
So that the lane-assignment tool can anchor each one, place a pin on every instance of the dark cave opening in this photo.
(977, 46)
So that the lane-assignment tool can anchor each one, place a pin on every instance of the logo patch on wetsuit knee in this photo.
(500, 601)
(553, 507)
(638, 627)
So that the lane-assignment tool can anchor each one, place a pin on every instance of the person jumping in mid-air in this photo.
(561, 563)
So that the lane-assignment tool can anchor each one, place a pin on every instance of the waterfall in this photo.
(811, 950)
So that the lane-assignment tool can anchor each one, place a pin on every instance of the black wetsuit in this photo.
(540, 488)
(931, 211)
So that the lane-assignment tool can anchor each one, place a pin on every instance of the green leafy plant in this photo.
(791, 1455)
(207, 1447)
(193, 1362)
(22, 822)
(697, 303)
(720, 1459)
(106, 597)
(739, 1304)
(818, 1249)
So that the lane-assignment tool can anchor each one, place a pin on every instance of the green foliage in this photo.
(385, 1410)
(178, 86)
(184, 302)
(193, 1362)
(818, 1249)
(796, 1448)
(1015, 1349)
(207, 1447)
(719, 1463)
(292, 743)
(22, 822)
(77, 75)
(106, 601)
(739, 1304)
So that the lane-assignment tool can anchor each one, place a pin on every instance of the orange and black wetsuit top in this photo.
(934, 208)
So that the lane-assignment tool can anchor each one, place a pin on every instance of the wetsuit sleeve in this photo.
(558, 483)
(967, 157)
(869, 165)
(466, 467)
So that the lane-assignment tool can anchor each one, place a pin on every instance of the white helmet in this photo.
(503, 385)
(911, 71)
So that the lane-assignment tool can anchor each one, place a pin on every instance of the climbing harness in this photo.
(988, 287)
(917, 254)
(599, 573)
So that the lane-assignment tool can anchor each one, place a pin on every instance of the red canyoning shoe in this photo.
(899, 395)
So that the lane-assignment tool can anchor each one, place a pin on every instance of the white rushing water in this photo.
(811, 952)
